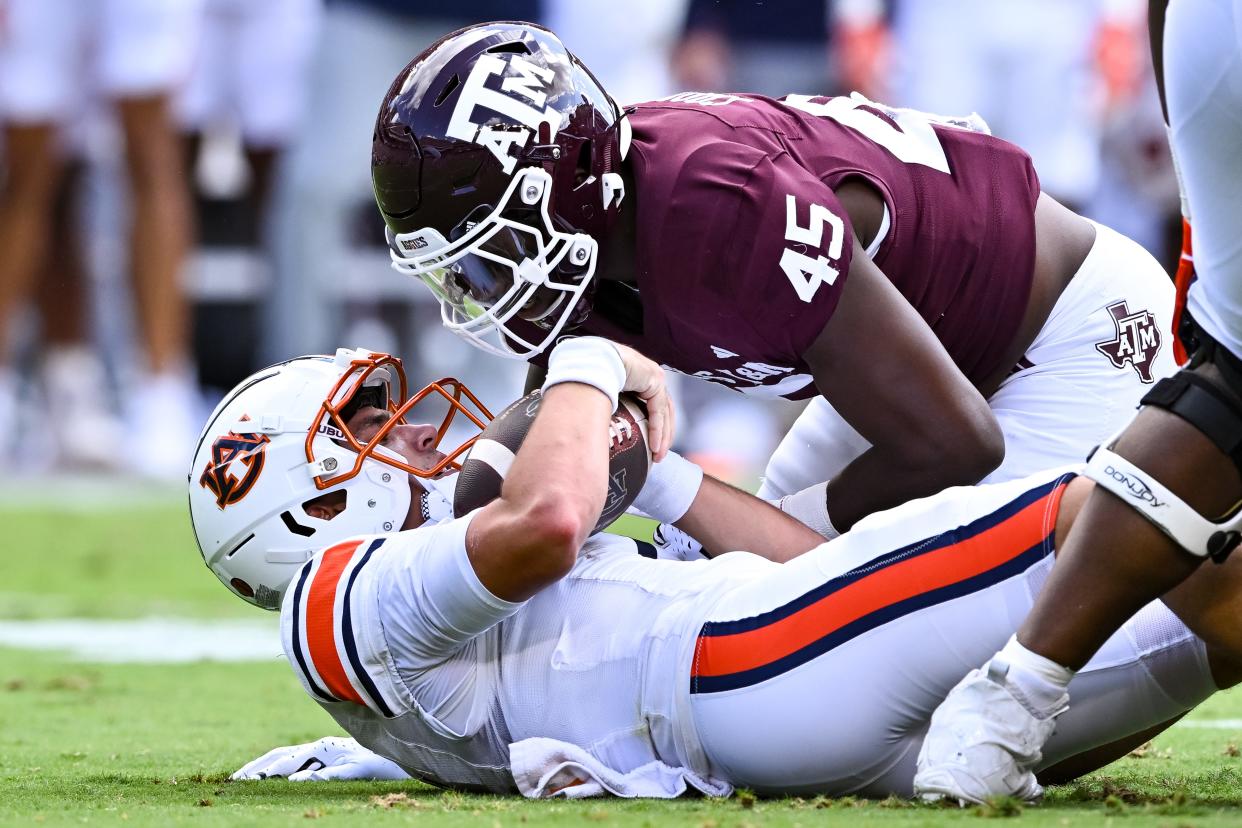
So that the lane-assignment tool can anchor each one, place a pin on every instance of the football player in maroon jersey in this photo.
(952, 323)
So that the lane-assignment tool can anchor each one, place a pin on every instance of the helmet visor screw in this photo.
(530, 193)
(387, 526)
(580, 255)
(329, 464)
(386, 477)
(371, 504)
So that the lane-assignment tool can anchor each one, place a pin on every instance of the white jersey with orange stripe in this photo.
(396, 637)
(815, 675)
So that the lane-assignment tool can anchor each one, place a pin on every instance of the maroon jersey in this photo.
(743, 248)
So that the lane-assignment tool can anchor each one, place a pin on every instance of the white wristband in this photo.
(811, 507)
(672, 484)
(590, 360)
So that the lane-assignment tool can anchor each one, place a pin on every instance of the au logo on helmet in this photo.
(236, 461)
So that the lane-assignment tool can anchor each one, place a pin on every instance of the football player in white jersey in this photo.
(1173, 476)
(510, 650)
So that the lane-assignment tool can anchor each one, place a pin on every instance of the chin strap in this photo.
(1171, 515)
(437, 499)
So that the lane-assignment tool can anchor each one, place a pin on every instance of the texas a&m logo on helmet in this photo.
(235, 465)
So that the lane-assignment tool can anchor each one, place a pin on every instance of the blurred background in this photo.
(185, 196)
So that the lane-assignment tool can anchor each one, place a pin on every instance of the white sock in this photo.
(1042, 681)
(810, 506)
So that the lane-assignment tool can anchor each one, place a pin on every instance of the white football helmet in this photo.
(280, 439)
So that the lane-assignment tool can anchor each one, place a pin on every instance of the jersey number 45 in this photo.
(908, 136)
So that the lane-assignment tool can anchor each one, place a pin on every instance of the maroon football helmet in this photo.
(495, 164)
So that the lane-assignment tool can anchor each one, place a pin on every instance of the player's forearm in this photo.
(552, 467)
(887, 375)
(878, 480)
(725, 519)
(529, 537)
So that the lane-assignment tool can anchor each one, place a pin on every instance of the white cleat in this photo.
(984, 741)
(88, 434)
(672, 544)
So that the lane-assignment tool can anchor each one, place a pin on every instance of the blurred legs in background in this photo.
(56, 56)
(163, 404)
(32, 167)
(77, 397)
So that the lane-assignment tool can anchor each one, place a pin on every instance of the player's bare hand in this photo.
(645, 378)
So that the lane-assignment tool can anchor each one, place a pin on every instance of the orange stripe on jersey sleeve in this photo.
(719, 655)
(321, 621)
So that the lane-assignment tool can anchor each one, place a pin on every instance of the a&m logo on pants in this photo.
(1137, 341)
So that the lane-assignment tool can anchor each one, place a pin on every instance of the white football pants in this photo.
(1203, 89)
(821, 676)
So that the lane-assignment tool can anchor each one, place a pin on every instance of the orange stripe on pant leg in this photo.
(725, 654)
(321, 622)
(1182, 280)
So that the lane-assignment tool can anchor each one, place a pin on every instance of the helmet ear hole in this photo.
(323, 507)
(517, 47)
(582, 169)
(452, 84)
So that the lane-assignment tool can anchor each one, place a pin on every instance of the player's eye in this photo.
(366, 431)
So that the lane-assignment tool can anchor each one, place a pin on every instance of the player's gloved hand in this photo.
(646, 379)
(331, 757)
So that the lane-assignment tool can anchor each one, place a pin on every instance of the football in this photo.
(484, 469)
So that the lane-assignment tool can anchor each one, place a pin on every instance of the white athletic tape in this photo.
(671, 487)
(590, 360)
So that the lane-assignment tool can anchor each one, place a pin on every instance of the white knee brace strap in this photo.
(1188, 529)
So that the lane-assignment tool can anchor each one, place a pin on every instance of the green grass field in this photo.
(153, 744)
